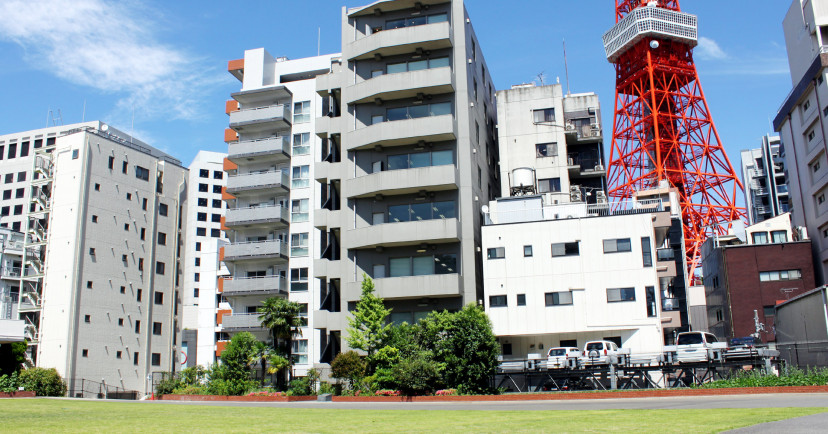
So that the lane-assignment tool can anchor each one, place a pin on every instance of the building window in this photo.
(821, 198)
(620, 294)
(198, 246)
(301, 177)
(197, 277)
(97, 187)
(126, 227)
(202, 217)
(769, 311)
(216, 203)
(142, 173)
(217, 174)
(527, 251)
(419, 159)
(215, 233)
(652, 311)
(18, 210)
(779, 236)
(423, 265)
(497, 301)
(201, 232)
(544, 115)
(216, 189)
(421, 211)
(6, 210)
(760, 237)
(156, 359)
(75, 153)
(647, 252)
(135, 358)
(299, 244)
(123, 290)
(203, 173)
(546, 150)
(143, 234)
(617, 245)
(202, 201)
(558, 298)
(197, 262)
(811, 135)
(21, 176)
(129, 196)
(773, 276)
(299, 210)
(18, 193)
(159, 297)
(496, 253)
(301, 112)
(137, 326)
(418, 111)
(156, 328)
(121, 322)
(162, 209)
(521, 299)
(298, 279)
(162, 239)
(144, 204)
(565, 249)
(549, 185)
(124, 167)
(299, 351)
(118, 354)
(417, 65)
(87, 318)
(85, 353)
(140, 268)
(301, 144)
(159, 267)
(215, 218)
(111, 163)
(89, 284)
(195, 292)
(203, 188)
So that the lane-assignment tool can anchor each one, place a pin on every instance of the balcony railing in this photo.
(278, 146)
(279, 114)
(241, 321)
(255, 285)
(666, 254)
(255, 249)
(258, 181)
(256, 214)
(8, 272)
(669, 304)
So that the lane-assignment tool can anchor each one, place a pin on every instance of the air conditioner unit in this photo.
(600, 196)
(570, 127)
(570, 161)
(599, 167)
(594, 127)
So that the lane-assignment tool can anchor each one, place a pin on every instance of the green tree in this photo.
(12, 357)
(232, 376)
(281, 317)
(348, 366)
(367, 327)
(261, 356)
(44, 382)
(463, 342)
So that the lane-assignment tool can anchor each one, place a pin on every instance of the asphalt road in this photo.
(689, 402)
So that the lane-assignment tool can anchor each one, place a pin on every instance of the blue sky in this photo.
(166, 61)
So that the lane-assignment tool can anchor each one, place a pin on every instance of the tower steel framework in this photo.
(663, 130)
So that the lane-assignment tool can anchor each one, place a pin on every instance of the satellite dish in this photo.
(104, 127)
(653, 44)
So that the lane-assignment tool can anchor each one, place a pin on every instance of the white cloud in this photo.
(111, 46)
(708, 49)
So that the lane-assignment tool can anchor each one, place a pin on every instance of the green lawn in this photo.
(45, 415)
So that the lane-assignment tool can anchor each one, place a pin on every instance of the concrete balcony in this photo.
(666, 268)
(401, 41)
(327, 82)
(405, 234)
(255, 286)
(273, 250)
(409, 287)
(271, 149)
(405, 132)
(323, 218)
(405, 181)
(328, 126)
(324, 171)
(402, 85)
(12, 330)
(275, 117)
(252, 182)
(241, 321)
(10, 272)
(323, 268)
(274, 216)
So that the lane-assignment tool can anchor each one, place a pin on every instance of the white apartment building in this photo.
(203, 238)
(801, 124)
(11, 259)
(564, 274)
(765, 182)
(270, 194)
(99, 288)
(551, 144)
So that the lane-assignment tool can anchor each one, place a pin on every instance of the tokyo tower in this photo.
(662, 129)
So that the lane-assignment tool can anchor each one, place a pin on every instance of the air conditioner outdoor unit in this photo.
(570, 161)
(570, 127)
(594, 127)
(599, 167)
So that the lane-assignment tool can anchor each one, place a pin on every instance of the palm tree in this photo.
(260, 356)
(281, 317)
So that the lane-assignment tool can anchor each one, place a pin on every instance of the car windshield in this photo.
(690, 339)
(557, 352)
(595, 346)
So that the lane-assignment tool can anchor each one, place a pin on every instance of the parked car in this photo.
(557, 357)
(599, 352)
(695, 346)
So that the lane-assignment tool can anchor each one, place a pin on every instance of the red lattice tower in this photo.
(662, 129)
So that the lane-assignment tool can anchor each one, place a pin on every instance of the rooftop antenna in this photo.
(566, 68)
(318, 41)
(83, 115)
(132, 128)
(541, 78)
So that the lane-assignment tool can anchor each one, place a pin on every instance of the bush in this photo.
(266, 393)
(189, 378)
(759, 378)
(418, 374)
(44, 382)
(303, 386)
(348, 366)
(325, 387)
(190, 390)
(386, 392)
(446, 392)
(9, 383)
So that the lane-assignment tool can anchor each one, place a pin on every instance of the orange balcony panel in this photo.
(220, 346)
(230, 135)
(235, 65)
(221, 253)
(220, 315)
(229, 165)
(225, 195)
(223, 227)
(231, 106)
(221, 283)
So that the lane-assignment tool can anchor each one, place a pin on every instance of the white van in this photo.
(599, 352)
(694, 347)
(557, 357)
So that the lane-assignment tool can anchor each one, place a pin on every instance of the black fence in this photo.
(83, 388)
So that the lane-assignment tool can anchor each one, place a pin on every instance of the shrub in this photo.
(446, 392)
(348, 366)
(418, 374)
(44, 382)
(386, 392)
(300, 387)
(9, 383)
(325, 387)
(266, 393)
(190, 390)
(759, 378)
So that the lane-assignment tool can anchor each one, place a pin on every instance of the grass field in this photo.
(45, 415)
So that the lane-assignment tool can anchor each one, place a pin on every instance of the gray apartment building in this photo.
(765, 180)
(409, 157)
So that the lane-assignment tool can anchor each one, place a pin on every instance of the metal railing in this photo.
(83, 388)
